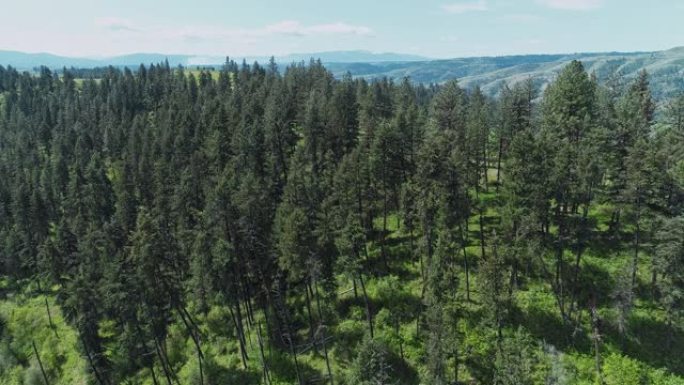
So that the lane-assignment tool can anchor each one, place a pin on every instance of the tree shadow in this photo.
(398, 252)
(650, 341)
(282, 367)
(216, 374)
(381, 297)
(595, 286)
(547, 326)
(603, 244)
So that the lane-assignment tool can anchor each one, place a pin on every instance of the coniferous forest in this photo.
(262, 225)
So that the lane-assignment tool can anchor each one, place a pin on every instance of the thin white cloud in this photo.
(466, 6)
(116, 24)
(521, 18)
(283, 37)
(531, 42)
(291, 27)
(196, 33)
(572, 5)
(451, 39)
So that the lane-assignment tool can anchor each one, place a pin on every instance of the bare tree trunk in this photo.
(40, 363)
(383, 252)
(597, 343)
(165, 359)
(578, 260)
(154, 375)
(464, 239)
(560, 270)
(498, 165)
(485, 165)
(482, 233)
(92, 363)
(144, 344)
(240, 334)
(308, 311)
(356, 292)
(397, 329)
(637, 239)
(327, 359)
(654, 281)
(194, 334)
(163, 363)
(280, 303)
(49, 314)
(323, 331)
(264, 364)
(369, 315)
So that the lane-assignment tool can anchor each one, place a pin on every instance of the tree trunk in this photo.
(384, 229)
(237, 321)
(264, 364)
(481, 214)
(578, 260)
(654, 281)
(162, 361)
(308, 312)
(164, 350)
(323, 329)
(40, 363)
(637, 235)
(49, 314)
(99, 378)
(513, 282)
(498, 165)
(485, 167)
(560, 249)
(154, 375)
(465, 263)
(597, 344)
(369, 315)
(194, 334)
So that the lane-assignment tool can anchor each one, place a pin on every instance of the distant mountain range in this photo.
(490, 73)
(28, 61)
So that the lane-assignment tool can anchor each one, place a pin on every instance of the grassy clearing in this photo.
(25, 320)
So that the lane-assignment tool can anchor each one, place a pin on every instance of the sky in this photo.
(432, 28)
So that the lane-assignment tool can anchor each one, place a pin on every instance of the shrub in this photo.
(619, 370)
(375, 364)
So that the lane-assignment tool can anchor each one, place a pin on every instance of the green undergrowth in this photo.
(24, 321)
(648, 353)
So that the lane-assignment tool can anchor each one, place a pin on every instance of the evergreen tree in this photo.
(669, 254)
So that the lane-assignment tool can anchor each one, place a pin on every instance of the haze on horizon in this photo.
(433, 28)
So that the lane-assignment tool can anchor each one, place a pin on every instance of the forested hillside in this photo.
(265, 226)
(666, 70)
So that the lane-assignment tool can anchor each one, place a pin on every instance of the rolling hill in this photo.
(490, 73)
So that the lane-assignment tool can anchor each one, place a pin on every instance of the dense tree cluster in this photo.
(149, 201)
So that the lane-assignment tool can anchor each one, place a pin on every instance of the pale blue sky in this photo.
(436, 28)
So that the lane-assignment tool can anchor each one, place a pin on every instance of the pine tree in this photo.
(495, 293)
(569, 114)
(670, 265)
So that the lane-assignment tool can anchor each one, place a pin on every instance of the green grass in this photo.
(25, 320)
